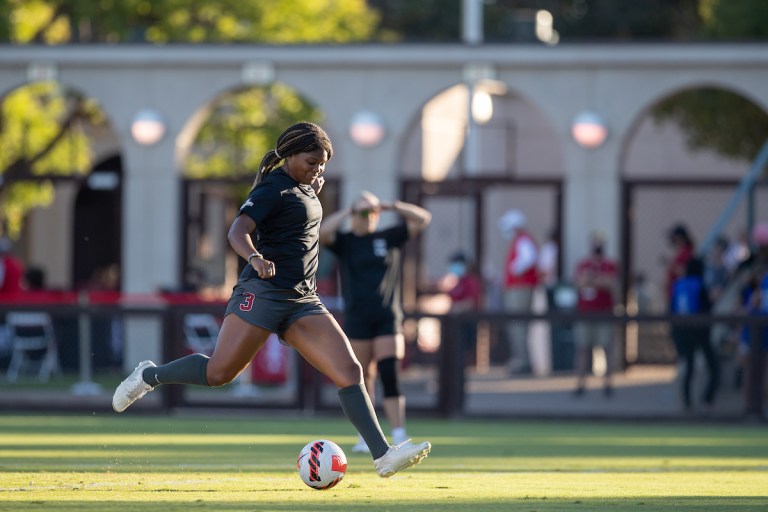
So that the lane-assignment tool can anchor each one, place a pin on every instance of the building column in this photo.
(151, 234)
(592, 199)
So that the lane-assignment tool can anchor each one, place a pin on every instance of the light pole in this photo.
(472, 21)
(472, 34)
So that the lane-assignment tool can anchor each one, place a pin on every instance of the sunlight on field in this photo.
(137, 463)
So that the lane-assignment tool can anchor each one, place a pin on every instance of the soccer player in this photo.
(370, 281)
(276, 293)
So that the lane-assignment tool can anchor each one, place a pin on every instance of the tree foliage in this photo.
(187, 21)
(734, 19)
(718, 120)
(42, 132)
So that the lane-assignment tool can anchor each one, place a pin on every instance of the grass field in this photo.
(161, 463)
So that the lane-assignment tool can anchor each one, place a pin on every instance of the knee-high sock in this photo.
(187, 370)
(357, 406)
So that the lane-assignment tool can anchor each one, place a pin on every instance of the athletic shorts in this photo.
(262, 305)
(367, 327)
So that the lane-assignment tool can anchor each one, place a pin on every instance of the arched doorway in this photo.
(678, 169)
(97, 227)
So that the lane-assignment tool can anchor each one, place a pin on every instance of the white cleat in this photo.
(132, 388)
(400, 457)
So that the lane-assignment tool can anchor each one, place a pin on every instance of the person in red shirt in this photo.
(520, 280)
(467, 290)
(596, 279)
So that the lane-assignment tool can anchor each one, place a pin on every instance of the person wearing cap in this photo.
(520, 280)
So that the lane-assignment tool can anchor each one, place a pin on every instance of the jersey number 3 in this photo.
(247, 304)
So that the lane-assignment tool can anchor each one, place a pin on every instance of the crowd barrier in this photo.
(437, 386)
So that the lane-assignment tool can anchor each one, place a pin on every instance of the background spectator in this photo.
(466, 286)
(596, 279)
(520, 279)
(682, 246)
(691, 297)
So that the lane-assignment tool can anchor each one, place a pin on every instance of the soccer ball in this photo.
(322, 464)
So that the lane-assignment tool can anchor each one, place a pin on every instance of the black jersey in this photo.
(287, 216)
(370, 270)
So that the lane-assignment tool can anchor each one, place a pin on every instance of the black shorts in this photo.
(366, 326)
(274, 309)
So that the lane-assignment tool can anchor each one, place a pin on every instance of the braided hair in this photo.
(303, 137)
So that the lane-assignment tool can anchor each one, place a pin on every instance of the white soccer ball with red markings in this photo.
(322, 464)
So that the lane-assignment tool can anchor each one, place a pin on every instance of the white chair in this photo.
(31, 334)
(201, 331)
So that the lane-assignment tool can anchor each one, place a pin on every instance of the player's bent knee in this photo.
(349, 375)
(219, 377)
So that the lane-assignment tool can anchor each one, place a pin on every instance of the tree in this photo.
(41, 134)
(734, 20)
(717, 120)
(187, 21)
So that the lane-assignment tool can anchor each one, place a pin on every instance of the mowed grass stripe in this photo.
(126, 463)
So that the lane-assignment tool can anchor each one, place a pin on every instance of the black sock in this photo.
(357, 406)
(187, 370)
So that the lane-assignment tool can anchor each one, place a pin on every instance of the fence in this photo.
(442, 377)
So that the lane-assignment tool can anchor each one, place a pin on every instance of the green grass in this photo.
(161, 463)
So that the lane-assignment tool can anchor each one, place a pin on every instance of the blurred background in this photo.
(130, 133)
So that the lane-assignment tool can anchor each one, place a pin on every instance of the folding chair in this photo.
(201, 331)
(32, 341)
